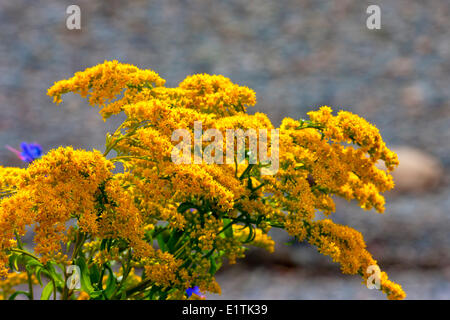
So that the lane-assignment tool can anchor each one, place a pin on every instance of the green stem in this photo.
(29, 275)
(131, 157)
(100, 280)
(65, 292)
(112, 145)
(233, 221)
(246, 171)
(76, 248)
(180, 249)
(30, 285)
(124, 275)
(138, 287)
(54, 289)
(25, 253)
(78, 244)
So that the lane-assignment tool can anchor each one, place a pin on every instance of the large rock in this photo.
(418, 172)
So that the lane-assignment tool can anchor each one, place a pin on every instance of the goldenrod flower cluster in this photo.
(177, 222)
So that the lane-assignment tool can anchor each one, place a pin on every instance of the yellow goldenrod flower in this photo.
(177, 222)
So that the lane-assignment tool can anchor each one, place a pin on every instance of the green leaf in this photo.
(173, 240)
(38, 272)
(15, 294)
(213, 268)
(111, 283)
(13, 258)
(109, 244)
(185, 206)
(68, 245)
(251, 233)
(32, 263)
(161, 242)
(229, 231)
(103, 244)
(85, 279)
(47, 292)
(95, 294)
(95, 274)
(54, 274)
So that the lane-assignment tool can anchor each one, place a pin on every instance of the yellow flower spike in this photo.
(178, 222)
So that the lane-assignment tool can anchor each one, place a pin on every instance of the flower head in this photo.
(29, 153)
(194, 290)
(203, 203)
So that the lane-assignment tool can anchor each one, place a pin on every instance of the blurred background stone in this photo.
(418, 171)
(297, 55)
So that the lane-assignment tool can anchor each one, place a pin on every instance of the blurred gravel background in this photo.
(296, 55)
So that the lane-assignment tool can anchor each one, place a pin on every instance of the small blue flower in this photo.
(194, 290)
(29, 153)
